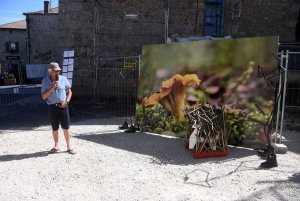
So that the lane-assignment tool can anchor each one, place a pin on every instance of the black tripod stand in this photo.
(269, 152)
(132, 128)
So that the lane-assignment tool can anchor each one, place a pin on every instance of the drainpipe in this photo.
(28, 47)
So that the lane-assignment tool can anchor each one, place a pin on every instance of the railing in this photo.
(17, 98)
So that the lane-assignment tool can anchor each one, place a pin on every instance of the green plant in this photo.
(10, 76)
(158, 120)
(245, 126)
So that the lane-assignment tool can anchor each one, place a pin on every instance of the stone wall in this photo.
(97, 29)
(267, 18)
(12, 35)
(100, 29)
(44, 38)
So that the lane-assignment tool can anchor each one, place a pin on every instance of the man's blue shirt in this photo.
(59, 94)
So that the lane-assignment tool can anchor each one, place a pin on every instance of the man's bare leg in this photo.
(55, 138)
(67, 138)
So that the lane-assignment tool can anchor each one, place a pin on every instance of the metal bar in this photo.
(284, 92)
(294, 52)
(279, 99)
(113, 58)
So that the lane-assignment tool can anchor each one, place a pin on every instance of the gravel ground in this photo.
(112, 165)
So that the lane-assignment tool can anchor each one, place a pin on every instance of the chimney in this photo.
(46, 7)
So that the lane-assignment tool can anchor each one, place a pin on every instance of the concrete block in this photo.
(280, 148)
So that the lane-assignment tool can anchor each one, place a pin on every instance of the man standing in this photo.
(56, 90)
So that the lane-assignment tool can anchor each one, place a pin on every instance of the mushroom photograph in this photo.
(218, 73)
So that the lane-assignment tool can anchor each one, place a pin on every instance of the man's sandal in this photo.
(71, 151)
(53, 150)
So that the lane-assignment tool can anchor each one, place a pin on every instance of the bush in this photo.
(10, 76)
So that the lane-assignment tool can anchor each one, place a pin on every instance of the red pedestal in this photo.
(206, 154)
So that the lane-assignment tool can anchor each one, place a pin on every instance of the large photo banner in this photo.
(217, 73)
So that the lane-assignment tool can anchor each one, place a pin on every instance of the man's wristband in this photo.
(67, 102)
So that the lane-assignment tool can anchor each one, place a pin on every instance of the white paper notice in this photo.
(70, 74)
(16, 90)
(71, 53)
(70, 80)
(65, 74)
(66, 53)
(71, 61)
(65, 62)
(65, 69)
(70, 67)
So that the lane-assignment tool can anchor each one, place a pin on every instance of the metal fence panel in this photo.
(114, 88)
(292, 99)
(18, 98)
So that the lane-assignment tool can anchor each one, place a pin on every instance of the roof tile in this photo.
(51, 10)
(14, 25)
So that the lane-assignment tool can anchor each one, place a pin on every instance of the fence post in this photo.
(279, 98)
(284, 91)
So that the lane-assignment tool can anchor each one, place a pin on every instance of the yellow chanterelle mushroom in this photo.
(171, 94)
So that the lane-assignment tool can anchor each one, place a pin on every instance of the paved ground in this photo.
(35, 117)
(112, 165)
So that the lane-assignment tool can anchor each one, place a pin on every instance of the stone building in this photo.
(34, 40)
(13, 45)
(42, 35)
(113, 28)
(269, 17)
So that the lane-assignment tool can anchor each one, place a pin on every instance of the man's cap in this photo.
(54, 66)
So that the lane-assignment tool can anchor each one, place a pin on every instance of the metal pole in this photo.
(94, 43)
(96, 62)
(284, 91)
(168, 19)
(139, 66)
(216, 30)
(20, 74)
(232, 16)
(240, 10)
(279, 98)
(197, 17)
(167, 11)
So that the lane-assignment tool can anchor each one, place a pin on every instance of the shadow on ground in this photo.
(35, 117)
(164, 150)
(292, 140)
(12, 157)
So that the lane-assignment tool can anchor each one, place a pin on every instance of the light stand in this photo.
(269, 152)
(132, 128)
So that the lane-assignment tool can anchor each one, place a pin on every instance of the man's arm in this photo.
(48, 92)
(66, 102)
(69, 95)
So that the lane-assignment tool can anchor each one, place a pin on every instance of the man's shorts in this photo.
(59, 115)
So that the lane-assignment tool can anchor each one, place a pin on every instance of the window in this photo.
(12, 47)
(214, 18)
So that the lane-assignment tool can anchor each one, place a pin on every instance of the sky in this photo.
(12, 10)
